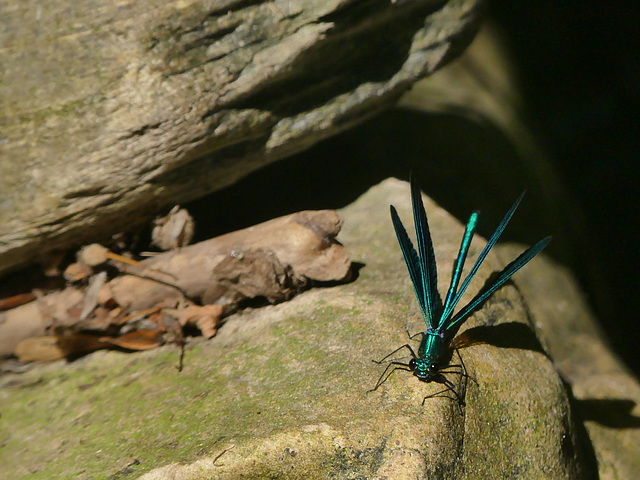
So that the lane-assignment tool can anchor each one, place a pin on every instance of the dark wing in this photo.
(426, 256)
(462, 255)
(412, 261)
(500, 280)
(492, 241)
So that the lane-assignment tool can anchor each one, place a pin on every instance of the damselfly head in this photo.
(424, 368)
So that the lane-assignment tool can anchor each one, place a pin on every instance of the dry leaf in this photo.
(55, 347)
(142, 314)
(174, 230)
(16, 300)
(77, 271)
(206, 318)
(136, 340)
(105, 296)
(91, 294)
(64, 307)
(247, 274)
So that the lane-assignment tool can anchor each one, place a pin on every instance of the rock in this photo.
(281, 391)
(115, 110)
(606, 394)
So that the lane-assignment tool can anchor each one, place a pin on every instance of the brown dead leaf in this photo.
(174, 230)
(206, 318)
(63, 307)
(77, 271)
(252, 273)
(54, 347)
(147, 312)
(16, 300)
(136, 340)
(105, 297)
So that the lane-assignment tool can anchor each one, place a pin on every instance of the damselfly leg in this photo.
(439, 377)
(395, 364)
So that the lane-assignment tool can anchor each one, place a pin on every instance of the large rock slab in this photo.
(113, 109)
(281, 392)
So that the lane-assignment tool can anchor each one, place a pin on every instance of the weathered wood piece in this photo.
(112, 110)
(273, 260)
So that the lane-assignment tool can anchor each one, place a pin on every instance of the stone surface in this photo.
(606, 395)
(112, 110)
(281, 391)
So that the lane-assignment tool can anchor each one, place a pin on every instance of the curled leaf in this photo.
(136, 340)
(206, 318)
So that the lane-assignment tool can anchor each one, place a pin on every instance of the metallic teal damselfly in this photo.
(442, 325)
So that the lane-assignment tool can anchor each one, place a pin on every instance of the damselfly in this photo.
(442, 325)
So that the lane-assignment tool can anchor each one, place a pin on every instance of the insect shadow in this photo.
(504, 335)
(609, 412)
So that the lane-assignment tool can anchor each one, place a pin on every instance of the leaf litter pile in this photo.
(113, 301)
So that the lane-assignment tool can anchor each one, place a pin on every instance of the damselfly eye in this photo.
(433, 368)
(412, 363)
